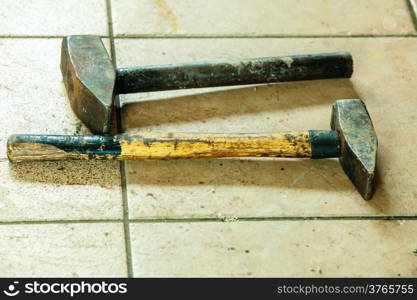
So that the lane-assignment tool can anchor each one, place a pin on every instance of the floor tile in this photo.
(32, 93)
(383, 76)
(60, 191)
(33, 100)
(49, 17)
(261, 17)
(275, 249)
(62, 250)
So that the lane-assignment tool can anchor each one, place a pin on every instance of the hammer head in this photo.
(358, 143)
(89, 78)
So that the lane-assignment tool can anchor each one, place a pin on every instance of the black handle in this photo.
(248, 71)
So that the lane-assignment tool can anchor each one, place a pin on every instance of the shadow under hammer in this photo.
(300, 174)
(233, 102)
(102, 173)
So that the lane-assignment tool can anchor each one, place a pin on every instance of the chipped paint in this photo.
(159, 146)
(36, 151)
(150, 146)
(353, 139)
(288, 61)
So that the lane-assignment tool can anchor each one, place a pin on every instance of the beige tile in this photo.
(49, 17)
(33, 100)
(32, 94)
(62, 250)
(250, 17)
(60, 191)
(275, 249)
(383, 78)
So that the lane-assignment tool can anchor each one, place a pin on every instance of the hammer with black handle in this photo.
(352, 139)
(92, 81)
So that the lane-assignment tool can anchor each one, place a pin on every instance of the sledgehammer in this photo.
(92, 81)
(352, 139)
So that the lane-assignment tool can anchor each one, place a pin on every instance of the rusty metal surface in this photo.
(358, 143)
(89, 79)
(247, 71)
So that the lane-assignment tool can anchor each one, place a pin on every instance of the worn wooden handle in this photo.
(161, 146)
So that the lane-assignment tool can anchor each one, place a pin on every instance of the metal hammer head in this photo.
(89, 78)
(358, 143)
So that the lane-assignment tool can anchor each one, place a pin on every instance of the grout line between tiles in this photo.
(256, 36)
(52, 222)
(126, 225)
(220, 219)
(231, 219)
(413, 12)
(228, 36)
(39, 36)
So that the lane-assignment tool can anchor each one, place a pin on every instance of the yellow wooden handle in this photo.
(200, 145)
(157, 146)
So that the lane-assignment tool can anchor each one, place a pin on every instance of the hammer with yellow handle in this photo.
(352, 139)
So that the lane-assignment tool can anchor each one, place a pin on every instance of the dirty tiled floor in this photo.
(231, 217)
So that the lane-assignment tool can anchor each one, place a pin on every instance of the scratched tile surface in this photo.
(62, 250)
(275, 249)
(50, 17)
(250, 17)
(87, 218)
(277, 187)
